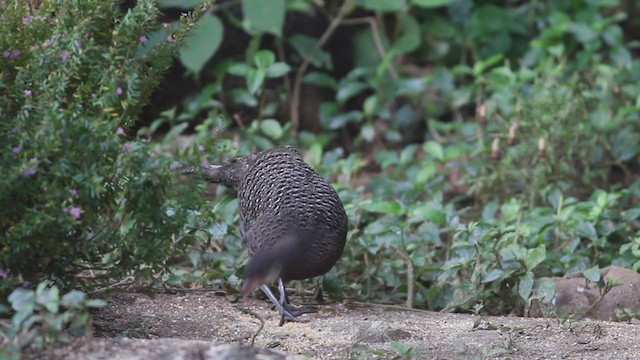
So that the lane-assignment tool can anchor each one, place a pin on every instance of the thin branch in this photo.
(388, 306)
(247, 311)
(410, 277)
(295, 99)
(376, 39)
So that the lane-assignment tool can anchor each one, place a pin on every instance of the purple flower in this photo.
(25, 284)
(26, 20)
(48, 43)
(171, 38)
(93, 95)
(6, 53)
(65, 209)
(201, 147)
(120, 131)
(126, 147)
(16, 149)
(143, 39)
(74, 192)
(15, 53)
(76, 212)
(29, 172)
(3, 273)
(119, 91)
(28, 92)
(205, 164)
(64, 56)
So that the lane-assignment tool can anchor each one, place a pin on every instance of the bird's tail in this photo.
(266, 266)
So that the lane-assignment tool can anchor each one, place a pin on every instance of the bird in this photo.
(292, 220)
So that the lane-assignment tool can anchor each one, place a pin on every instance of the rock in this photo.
(169, 349)
(575, 294)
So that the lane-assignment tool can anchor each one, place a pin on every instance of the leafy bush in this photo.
(84, 193)
(544, 128)
(42, 316)
(479, 149)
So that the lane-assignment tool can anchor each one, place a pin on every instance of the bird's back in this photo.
(289, 209)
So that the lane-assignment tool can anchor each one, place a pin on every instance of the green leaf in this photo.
(218, 230)
(308, 48)
(513, 252)
(264, 58)
(535, 257)
(265, 16)
(382, 5)
(271, 128)
(243, 97)
(525, 286)
(368, 133)
(583, 33)
(340, 120)
(586, 229)
(481, 66)
(277, 70)
(23, 300)
(431, 3)
(510, 210)
(492, 275)
(401, 348)
(592, 274)
(181, 4)
(238, 69)
(96, 303)
(426, 172)
(349, 90)
(74, 299)
(202, 43)
(387, 207)
(545, 289)
(409, 40)
(315, 151)
(49, 298)
(434, 149)
(255, 79)
(320, 79)
(429, 213)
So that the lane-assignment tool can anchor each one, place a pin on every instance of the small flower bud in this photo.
(512, 135)
(481, 110)
(496, 153)
(541, 148)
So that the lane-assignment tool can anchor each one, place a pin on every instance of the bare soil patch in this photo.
(204, 325)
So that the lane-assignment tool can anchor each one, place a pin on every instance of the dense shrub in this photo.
(79, 191)
(479, 149)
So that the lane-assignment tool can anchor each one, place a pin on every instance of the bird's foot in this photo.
(299, 310)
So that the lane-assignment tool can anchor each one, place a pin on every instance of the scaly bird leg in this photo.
(285, 314)
(293, 309)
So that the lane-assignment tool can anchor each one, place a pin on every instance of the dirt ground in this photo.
(206, 325)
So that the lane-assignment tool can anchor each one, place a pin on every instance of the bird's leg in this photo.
(293, 309)
(284, 312)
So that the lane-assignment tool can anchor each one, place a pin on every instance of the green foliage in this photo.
(44, 315)
(478, 149)
(202, 43)
(551, 128)
(85, 194)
